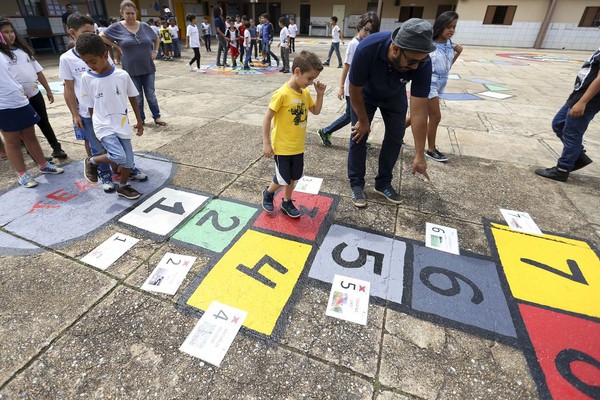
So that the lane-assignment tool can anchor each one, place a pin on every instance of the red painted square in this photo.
(314, 209)
(567, 343)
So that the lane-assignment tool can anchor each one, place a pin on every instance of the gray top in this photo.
(137, 48)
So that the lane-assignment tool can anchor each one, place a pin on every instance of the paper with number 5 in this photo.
(213, 334)
(169, 274)
(349, 299)
(109, 251)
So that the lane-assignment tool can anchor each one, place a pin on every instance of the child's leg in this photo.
(13, 151)
(39, 105)
(435, 116)
(33, 146)
(95, 147)
(2, 149)
(289, 189)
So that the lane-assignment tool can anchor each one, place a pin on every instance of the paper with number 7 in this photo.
(169, 273)
(213, 334)
(349, 299)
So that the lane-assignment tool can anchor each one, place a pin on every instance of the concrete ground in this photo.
(69, 330)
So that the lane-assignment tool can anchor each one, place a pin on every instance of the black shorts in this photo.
(17, 119)
(288, 168)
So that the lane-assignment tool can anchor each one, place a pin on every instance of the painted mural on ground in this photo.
(537, 57)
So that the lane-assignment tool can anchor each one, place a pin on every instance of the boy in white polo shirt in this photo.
(336, 38)
(105, 91)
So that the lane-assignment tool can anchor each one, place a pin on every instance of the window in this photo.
(407, 13)
(499, 15)
(445, 7)
(590, 18)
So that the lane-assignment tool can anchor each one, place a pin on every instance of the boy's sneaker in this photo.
(390, 194)
(325, 137)
(340, 66)
(27, 181)
(289, 209)
(50, 168)
(137, 175)
(436, 155)
(90, 171)
(267, 200)
(326, 63)
(554, 173)
(358, 197)
(59, 153)
(107, 184)
(582, 161)
(128, 192)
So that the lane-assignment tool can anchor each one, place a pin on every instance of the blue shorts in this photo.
(118, 150)
(438, 86)
(17, 119)
(288, 168)
(168, 46)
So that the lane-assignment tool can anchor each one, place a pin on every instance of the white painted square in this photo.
(169, 274)
(349, 299)
(214, 333)
(109, 251)
(176, 207)
(495, 95)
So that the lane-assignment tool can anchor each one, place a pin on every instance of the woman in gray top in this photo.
(138, 45)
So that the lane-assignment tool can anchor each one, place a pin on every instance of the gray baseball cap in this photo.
(414, 35)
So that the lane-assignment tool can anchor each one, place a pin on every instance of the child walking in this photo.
(193, 41)
(284, 45)
(247, 45)
(288, 109)
(28, 73)
(105, 91)
(175, 38)
(442, 59)
(293, 28)
(233, 36)
(336, 38)
(206, 32)
(17, 120)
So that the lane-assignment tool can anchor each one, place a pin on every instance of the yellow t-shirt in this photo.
(289, 122)
(165, 34)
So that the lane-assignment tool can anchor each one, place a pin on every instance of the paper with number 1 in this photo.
(109, 251)
(213, 334)
(169, 274)
(349, 299)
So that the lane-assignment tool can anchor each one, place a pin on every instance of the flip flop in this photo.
(160, 122)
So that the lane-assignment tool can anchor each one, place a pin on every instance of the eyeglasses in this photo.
(412, 61)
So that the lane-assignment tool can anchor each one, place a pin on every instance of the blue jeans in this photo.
(95, 146)
(176, 48)
(118, 150)
(336, 47)
(248, 55)
(267, 51)
(145, 86)
(393, 112)
(342, 121)
(570, 131)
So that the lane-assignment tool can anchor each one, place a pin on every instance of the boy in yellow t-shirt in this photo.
(288, 109)
(167, 39)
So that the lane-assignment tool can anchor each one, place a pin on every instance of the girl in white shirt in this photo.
(293, 30)
(28, 72)
(17, 119)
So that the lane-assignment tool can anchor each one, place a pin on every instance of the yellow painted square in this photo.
(530, 283)
(226, 284)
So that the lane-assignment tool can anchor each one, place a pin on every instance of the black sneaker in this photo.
(358, 197)
(289, 209)
(128, 192)
(325, 137)
(267, 200)
(326, 63)
(553, 173)
(390, 194)
(582, 161)
(340, 66)
(90, 171)
(436, 155)
(59, 153)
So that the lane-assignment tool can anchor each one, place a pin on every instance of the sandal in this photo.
(160, 122)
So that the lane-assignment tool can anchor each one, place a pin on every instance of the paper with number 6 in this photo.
(349, 299)
(213, 334)
(109, 251)
(169, 274)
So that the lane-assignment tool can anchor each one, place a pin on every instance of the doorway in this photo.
(304, 19)
(274, 14)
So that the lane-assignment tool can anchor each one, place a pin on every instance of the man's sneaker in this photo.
(107, 184)
(27, 181)
(326, 63)
(128, 192)
(325, 137)
(553, 173)
(289, 209)
(358, 197)
(582, 161)
(436, 155)
(59, 153)
(137, 175)
(267, 200)
(90, 171)
(50, 168)
(390, 194)
(340, 66)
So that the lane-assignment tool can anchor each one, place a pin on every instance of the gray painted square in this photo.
(350, 247)
(435, 273)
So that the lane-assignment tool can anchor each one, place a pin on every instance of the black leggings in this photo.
(38, 104)
(196, 57)
(292, 44)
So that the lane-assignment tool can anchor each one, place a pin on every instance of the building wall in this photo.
(563, 31)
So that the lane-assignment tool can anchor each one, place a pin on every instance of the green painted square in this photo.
(216, 225)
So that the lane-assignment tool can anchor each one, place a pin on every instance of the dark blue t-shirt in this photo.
(219, 23)
(372, 70)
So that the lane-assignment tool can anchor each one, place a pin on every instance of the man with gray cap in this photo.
(382, 66)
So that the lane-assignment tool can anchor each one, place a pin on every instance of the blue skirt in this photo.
(17, 119)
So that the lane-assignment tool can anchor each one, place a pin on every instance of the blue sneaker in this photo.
(267, 200)
(390, 194)
(137, 175)
(107, 184)
(50, 168)
(289, 209)
(27, 181)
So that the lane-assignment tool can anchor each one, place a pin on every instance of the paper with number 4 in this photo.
(442, 238)
(108, 252)
(309, 184)
(169, 273)
(349, 299)
(213, 334)
(520, 222)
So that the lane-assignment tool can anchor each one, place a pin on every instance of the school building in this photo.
(551, 24)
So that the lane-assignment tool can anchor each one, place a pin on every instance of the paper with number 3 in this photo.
(214, 333)
(349, 299)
